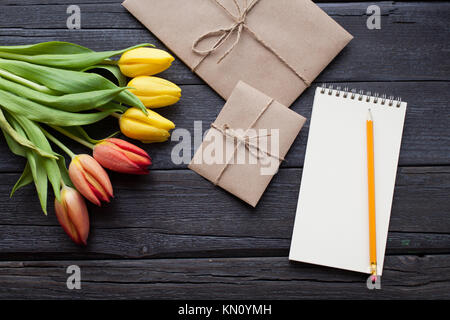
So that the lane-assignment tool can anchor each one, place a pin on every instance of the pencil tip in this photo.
(369, 115)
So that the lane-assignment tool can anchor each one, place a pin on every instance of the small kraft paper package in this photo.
(246, 143)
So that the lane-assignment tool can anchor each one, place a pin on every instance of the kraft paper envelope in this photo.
(274, 128)
(279, 47)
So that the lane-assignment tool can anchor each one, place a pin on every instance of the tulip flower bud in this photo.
(155, 92)
(121, 156)
(146, 128)
(144, 62)
(90, 179)
(72, 214)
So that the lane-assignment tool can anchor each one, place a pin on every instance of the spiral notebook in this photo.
(332, 223)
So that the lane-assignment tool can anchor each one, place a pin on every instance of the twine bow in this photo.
(245, 140)
(237, 27)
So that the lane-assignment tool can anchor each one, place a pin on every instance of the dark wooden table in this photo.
(172, 234)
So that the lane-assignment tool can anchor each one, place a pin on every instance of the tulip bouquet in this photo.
(53, 86)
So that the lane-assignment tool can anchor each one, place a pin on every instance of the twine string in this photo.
(245, 140)
(237, 27)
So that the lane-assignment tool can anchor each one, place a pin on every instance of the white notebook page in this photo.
(332, 220)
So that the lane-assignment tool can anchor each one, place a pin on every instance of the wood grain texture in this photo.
(404, 277)
(173, 235)
(426, 138)
(374, 55)
(176, 213)
(104, 2)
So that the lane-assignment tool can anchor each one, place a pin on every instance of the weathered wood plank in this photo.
(426, 138)
(404, 277)
(112, 15)
(50, 243)
(177, 213)
(103, 2)
(156, 216)
(392, 53)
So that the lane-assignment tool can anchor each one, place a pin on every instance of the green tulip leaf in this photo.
(16, 141)
(74, 102)
(111, 70)
(26, 83)
(25, 179)
(51, 47)
(75, 61)
(67, 81)
(114, 105)
(37, 170)
(35, 134)
(54, 176)
(40, 178)
(15, 148)
(40, 113)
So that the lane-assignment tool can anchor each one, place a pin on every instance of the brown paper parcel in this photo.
(247, 108)
(277, 46)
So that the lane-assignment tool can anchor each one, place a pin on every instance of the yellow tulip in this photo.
(155, 92)
(144, 62)
(146, 128)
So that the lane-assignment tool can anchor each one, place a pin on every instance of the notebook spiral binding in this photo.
(360, 95)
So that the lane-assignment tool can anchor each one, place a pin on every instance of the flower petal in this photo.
(77, 213)
(112, 157)
(128, 146)
(91, 166)
(80, 182)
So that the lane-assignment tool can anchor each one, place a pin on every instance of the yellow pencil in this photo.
(371, 184)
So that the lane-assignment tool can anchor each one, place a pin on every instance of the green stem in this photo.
(30, 84)
(116, 115)
(73, 137)
(109, 62)
(58, 143)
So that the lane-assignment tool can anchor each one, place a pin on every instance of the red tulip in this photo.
(72, 214)
(90, 179)
(121, 156)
